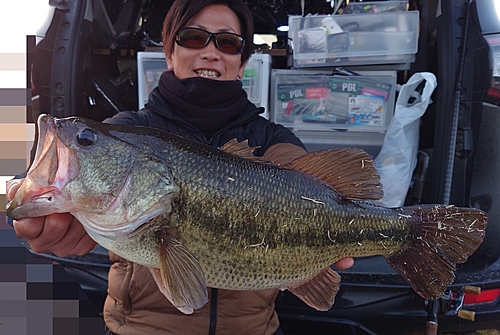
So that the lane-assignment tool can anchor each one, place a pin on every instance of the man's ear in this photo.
(242, 68)
(170, 64)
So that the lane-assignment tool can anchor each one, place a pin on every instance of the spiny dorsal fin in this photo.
(320, 291)
(180, 277)
(241, 149)
(348, 170)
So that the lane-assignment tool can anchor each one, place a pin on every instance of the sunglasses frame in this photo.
(210, 37)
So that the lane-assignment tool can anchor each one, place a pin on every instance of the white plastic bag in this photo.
(398, 157)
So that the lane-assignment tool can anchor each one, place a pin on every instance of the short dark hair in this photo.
(184, 10)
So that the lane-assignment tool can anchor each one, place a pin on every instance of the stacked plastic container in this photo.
(325, 108)
(373, 37)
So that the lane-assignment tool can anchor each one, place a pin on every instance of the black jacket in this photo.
(248, 125)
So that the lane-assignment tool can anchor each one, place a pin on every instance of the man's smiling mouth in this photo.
(208, 73)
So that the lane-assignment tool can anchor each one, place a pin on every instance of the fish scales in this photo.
(251, 215)
(199, 216)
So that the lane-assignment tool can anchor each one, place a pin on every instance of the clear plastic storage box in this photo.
(376, 7)
(150, 66)
(317, 100)
(319, 140)
(256, 78)
(354, 39)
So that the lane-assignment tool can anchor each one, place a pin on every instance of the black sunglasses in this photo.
(199, 38)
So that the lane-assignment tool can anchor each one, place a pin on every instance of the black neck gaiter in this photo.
(207, 104)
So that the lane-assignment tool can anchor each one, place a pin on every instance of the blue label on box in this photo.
(366, 110)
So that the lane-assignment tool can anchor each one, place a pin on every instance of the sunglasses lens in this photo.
(199, 38)
(230, 43)
(193, 38)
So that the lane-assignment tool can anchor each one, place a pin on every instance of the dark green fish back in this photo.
(252, 220)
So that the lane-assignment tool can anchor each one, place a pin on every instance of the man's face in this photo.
(209, 62)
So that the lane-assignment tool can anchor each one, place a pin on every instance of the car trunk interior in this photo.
(87, 65)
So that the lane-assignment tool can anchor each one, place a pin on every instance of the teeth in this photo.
(207, 73)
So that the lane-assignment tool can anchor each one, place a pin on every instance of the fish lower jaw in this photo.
(44, 201)
(47, 196)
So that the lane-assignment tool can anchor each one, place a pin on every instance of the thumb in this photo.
(12, 187)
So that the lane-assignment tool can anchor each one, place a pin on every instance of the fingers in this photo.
(344, 263)
(75, 241)
(60, 234)
(29, 228)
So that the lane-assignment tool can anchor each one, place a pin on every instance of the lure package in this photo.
(339, 102)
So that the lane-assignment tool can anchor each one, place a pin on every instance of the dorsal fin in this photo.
(348, 170)
(243, 150)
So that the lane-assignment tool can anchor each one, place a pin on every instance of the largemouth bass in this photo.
(200, 216)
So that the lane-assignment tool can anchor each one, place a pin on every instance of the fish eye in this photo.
(86, 137)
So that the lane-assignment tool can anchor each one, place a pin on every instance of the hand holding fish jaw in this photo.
(61, 234)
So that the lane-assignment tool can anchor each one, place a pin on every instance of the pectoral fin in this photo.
(180, 277)
(320, 291)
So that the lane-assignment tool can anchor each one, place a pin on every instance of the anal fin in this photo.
(180, 277)
(320, 291)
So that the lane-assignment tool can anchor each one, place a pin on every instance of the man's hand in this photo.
(344, 263)
(61, 234)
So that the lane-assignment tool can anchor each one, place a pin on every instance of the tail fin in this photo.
(444, 236)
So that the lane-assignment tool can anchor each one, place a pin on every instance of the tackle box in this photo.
(326, 110)
(353, 39)
(372, 7)
(318, 100)
(150, 66)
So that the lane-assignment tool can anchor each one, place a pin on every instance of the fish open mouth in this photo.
(45, 178)
(45, 164)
